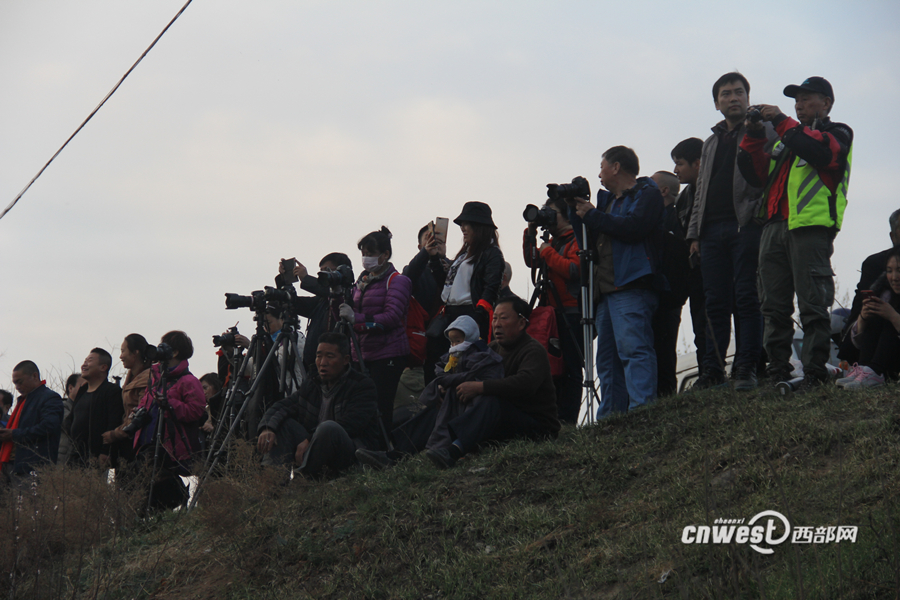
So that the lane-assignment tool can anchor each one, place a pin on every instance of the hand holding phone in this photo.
(287, 270)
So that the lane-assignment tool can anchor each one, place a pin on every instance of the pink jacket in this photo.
(188, 403)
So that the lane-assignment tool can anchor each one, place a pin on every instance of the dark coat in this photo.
(106, 413)
(316, 309)
(355, 408)
(424, 288)
(487, 274)
(37, 434)
(872, 268)
(528, 384)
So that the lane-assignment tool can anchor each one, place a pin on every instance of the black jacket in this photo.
(487, 274)
(106, 413)
(355, 408)
(37, 434)
(872, 268)
(424, 287)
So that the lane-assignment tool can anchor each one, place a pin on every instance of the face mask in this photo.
(460, 348)
(370, 263)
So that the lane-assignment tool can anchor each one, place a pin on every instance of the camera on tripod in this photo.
(544, 217)
(342, 277)
(161, 353)
(226, 339)
(256, 301)
(579, 188)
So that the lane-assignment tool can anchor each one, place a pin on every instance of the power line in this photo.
(94, 112)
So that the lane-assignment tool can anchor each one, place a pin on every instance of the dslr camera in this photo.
(542, 217)
(579, 188)
(753, 114)
(342, 277)
(140, 419)
(256, 301)
(161, 353)
(226, 339)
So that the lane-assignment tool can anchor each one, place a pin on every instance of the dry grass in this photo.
(596, 514)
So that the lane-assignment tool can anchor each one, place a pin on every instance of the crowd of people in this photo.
(441, 357)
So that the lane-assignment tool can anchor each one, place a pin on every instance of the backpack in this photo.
(416, 317)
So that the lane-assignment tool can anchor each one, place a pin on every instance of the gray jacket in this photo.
(746, 197)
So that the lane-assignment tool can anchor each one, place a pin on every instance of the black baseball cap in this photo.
(818, 85)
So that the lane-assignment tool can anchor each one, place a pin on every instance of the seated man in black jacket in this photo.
(334, 413)
(520, 404)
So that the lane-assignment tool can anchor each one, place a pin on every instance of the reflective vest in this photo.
(810, 202)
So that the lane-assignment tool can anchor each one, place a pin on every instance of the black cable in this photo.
(90, 116)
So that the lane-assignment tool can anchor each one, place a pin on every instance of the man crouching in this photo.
(327, 419)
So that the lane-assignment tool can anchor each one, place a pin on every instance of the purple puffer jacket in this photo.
(188, 404)
(381, 316)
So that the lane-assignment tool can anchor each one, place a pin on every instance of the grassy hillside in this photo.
(599, 513)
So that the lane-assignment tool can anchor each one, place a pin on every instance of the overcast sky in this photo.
(255, 131)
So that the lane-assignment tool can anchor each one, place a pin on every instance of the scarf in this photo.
(6, 449)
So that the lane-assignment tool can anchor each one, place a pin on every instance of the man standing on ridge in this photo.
(725, 237)
(806, 177)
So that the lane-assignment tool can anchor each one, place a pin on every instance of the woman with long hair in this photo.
(471, 283)
(877, 331)
(133, 355)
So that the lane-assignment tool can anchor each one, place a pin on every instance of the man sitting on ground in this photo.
(521, 404)
(334, 413)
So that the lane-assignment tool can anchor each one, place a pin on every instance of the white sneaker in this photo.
(867, 378)
(852, 374)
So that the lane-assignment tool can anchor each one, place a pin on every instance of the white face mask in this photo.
(370, 263)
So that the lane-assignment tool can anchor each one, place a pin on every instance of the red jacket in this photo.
(824, 148)
(563, 264)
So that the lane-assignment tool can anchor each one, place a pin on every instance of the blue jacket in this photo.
(634, 226)
(37, 435)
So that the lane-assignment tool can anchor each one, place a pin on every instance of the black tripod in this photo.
(164, 422)
(343, 327)
(286, 337)
(542, 283)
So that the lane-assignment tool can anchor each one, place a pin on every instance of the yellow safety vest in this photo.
(810, 202)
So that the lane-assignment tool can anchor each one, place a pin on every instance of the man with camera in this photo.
(30, 437)
(321, 426)
(624, 230)
(806, 176)
(335, 277)
(558, 256)
(725, 237)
